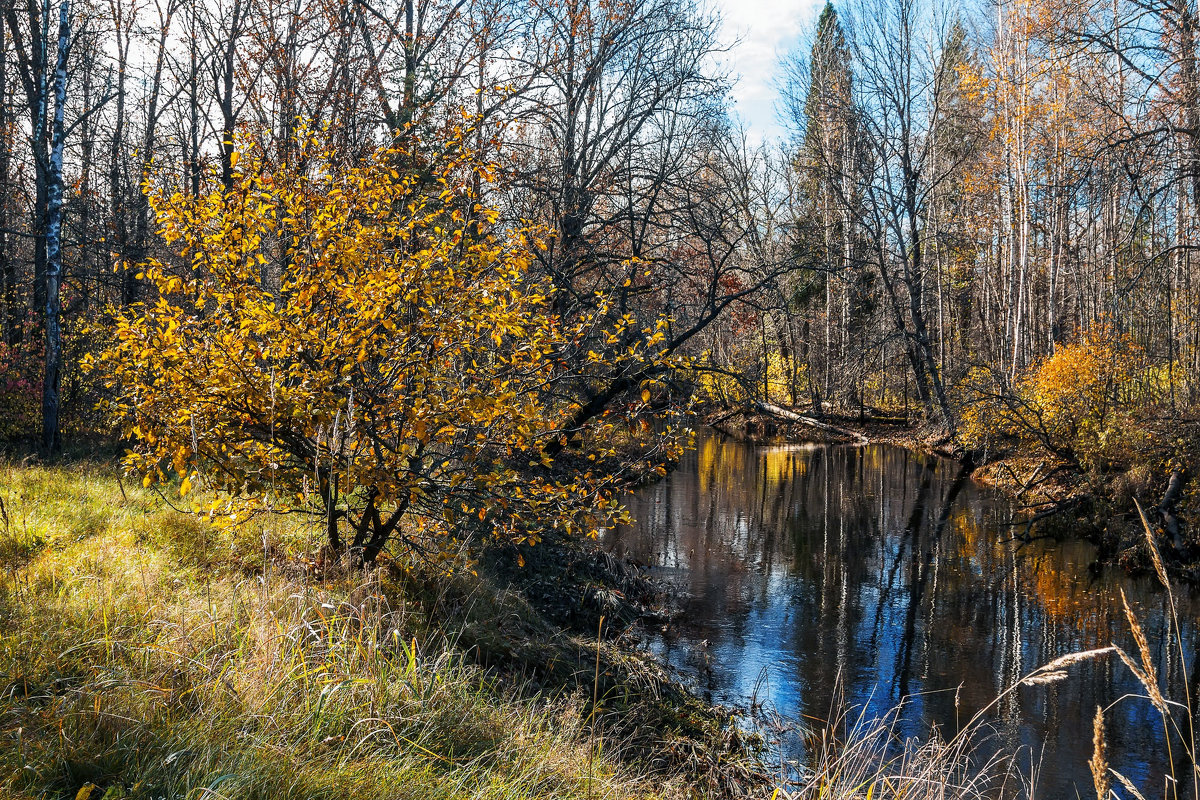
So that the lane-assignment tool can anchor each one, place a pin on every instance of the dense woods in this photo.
(990, 208)
(983, 219)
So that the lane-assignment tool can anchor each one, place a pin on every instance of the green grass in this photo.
(147, 655)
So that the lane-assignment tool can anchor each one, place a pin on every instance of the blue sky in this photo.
(767, 29)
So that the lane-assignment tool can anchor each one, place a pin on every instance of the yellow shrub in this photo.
(1076, 391)
(1077, 403)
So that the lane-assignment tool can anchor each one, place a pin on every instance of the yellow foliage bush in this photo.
(1076, 403)
(347, 343)
(1077, 391)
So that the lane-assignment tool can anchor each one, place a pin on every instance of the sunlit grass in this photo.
(38, 506)
(148, 655)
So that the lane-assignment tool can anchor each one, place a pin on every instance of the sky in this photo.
(767, 30)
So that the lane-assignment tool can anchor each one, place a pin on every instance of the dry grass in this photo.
(152, 658)
(865, 758)
(1177, 716)
(862, 758)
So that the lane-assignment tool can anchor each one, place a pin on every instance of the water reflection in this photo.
(891, 575)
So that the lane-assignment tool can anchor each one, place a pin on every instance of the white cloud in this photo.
(767, 30)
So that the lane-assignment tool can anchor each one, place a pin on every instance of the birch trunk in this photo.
(54, 260)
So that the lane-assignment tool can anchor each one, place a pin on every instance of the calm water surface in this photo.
(883, 574)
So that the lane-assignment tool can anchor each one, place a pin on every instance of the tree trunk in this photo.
(12, 315)
(54, 261)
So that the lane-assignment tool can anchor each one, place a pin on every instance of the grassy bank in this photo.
(144, 654)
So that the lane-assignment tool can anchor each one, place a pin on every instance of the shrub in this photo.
(1078, 404)
(349, 344)
(21, 387)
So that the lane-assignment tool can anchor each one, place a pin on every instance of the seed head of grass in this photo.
(1064, 661)
(1099, 759)
(1155, 556)
(1044, 678)
(1147, 675)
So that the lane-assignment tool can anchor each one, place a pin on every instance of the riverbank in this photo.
(143, 653)
(1056, 496)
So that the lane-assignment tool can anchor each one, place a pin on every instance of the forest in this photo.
(982, 218)
(334, 334)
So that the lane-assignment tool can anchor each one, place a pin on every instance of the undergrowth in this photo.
(143, 654)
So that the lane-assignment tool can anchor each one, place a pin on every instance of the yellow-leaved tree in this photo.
(1070, 404)
(346, 342)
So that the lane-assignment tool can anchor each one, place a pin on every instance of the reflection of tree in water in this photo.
(888, 574)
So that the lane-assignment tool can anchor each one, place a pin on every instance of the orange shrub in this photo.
(1076, 403)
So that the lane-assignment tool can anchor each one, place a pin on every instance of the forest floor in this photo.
(1061, 498)
(145, 654)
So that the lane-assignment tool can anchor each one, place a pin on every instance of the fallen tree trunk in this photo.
(873, 419)
(792, 416)
(1166, 508)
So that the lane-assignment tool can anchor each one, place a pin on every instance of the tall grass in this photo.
(1178, 717)
(141, 657)
(855, 756)
(861, 757)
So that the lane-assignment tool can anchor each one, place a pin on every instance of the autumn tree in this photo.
(401, 382)
(832, 170)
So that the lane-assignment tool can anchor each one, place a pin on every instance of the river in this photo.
(874, 574)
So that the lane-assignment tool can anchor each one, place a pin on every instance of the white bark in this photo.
(54, 224)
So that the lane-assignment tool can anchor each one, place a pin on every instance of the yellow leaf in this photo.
(645, 395)
(185, 487)
(233, 158)
(85, 791)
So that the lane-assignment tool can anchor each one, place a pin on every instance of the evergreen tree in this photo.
(832, 170)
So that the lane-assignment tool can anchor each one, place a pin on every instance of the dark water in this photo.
(879, 574)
